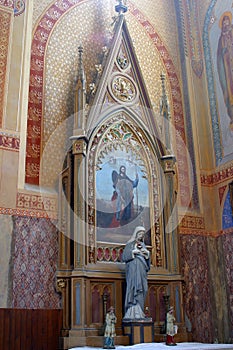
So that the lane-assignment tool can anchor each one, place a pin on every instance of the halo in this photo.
(225, 14)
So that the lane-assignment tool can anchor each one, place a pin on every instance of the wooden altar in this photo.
(139, 331)
(119, 128)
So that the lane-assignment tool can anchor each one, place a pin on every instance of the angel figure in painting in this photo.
(123, 194)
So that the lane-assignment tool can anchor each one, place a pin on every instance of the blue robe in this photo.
(136, 276)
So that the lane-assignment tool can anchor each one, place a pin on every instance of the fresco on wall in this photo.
(227, 215)
(122, 196)
(221, 40)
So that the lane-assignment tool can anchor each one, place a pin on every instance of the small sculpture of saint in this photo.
(137, 259)
(110, 332)
(171, 328)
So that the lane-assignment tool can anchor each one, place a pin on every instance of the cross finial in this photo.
(121, 7)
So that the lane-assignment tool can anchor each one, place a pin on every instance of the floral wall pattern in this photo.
(194, 262)
(34, 263)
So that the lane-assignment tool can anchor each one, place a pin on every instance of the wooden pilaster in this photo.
(170, 211)
(79, 195)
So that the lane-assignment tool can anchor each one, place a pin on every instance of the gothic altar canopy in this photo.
(118, 174)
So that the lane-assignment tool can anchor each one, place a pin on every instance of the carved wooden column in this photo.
(80, 97)
(170, 213)
(64, 262)
(63, 287)
(79, 195)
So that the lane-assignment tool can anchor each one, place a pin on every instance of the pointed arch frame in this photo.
(154, 183)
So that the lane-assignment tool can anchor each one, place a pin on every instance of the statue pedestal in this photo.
(139, 331)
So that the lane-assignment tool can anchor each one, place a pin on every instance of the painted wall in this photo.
(37, 75)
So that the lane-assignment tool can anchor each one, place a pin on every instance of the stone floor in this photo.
(162, 346)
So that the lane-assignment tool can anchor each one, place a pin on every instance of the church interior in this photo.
(115, 114)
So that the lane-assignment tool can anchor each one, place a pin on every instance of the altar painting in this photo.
(122, 196)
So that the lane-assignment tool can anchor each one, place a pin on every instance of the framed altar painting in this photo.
(123, 197)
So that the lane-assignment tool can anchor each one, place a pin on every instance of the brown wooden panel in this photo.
(11, 330)
(148, 338)
(22, 329)
(137, 334)
(1, 330)
(6, 329)
(43, 323)
(17, 329)
(35, 339)
(50, 330)
(28, 330)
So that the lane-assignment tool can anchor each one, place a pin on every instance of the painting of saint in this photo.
(122, 198)
(221, 66)
(225, 62)
(123, 194)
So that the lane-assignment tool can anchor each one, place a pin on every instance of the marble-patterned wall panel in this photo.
(34, 261)
(6, 227)
(194, 264)
(218, 290)
(227, 240)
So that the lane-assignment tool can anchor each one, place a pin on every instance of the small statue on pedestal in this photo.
(110, 332)
(171, 329)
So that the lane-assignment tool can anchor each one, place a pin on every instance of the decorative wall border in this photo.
(6, 18)
(38, 202)
(226, 231)
(196, 232)
(218, 177)
(192, 222)
(9, 142)
(7, 3)
(17, 5)
(33, 205)
(28, 213)
(194, 42)
(181, 23)
(35, 104)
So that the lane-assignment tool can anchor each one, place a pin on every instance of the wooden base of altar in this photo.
(139, 331)
(74, 341)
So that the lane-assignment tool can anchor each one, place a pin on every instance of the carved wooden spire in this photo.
(80, 97)
(165, 113)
